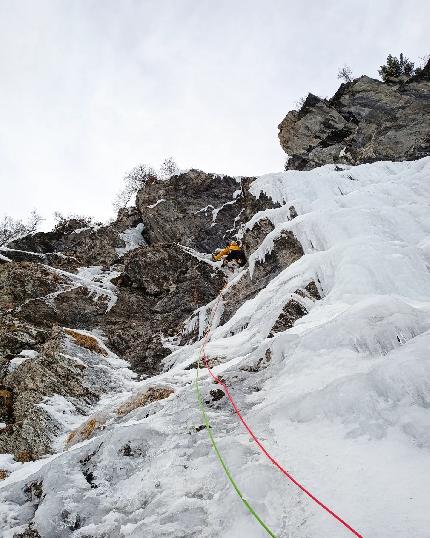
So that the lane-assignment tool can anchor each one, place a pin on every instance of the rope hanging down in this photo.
(208, 427)
(223, 464)
(257, 441)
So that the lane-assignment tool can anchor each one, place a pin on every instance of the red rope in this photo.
(262, 448)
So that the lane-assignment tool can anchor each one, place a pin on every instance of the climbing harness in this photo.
(254, 437)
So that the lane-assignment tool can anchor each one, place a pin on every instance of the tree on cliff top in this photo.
(397, 67)
(139, 175)
(345, 74)
(72, 222)
(168, 169)
(134, 180)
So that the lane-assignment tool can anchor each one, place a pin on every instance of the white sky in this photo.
(90, 88)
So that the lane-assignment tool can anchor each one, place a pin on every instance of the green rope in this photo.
(223, 464)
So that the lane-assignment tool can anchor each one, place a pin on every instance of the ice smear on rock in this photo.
(132, 237)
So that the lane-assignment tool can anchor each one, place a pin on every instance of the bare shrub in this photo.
(24, 456)
(140, 400)
(424, 66)
(4, 474)
(11, 229)
(168, 169)
(71, 222)
(86, 341)
(85, 431)
(345, 73)
(134, 180)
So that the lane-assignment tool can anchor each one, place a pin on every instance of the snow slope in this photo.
(343, 403)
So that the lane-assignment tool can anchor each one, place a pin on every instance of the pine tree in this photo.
(396, 67)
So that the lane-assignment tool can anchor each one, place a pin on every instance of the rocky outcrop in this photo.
(365, 121)
(16, 335)
(145, 294)
(253, 238)
(159, 289)
(43, 297)
(73, 243)
(194, 209)
(23, 282)
(252, 205)
(295, 308)
(58, 372)
(37, 359)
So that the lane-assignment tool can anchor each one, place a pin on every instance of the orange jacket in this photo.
(225, 251)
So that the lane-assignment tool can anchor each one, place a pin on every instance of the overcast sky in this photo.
(88, 89)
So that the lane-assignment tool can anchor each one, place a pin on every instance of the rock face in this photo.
(159, 289)
(44, 370)
(73, 244)
(295, 309)
(136, 281)
(194, 209)
(365, 121)
(24, 282)
(252, 205)
(85, 309)
(131, 281)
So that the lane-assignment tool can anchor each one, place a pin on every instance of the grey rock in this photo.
(69, 246)
(161, 286)
(365, 121)
(295, 308)
(252, 205)
(30, 428)
(21, 255)
(16, 335)
(23, 282)
(31, 532)
(194, 209)
(36, 294)
(255, 236)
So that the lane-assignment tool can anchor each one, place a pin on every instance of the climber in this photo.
(232, 252)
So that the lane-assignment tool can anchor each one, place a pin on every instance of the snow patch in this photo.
(156, 203)
(24, 356)
(62, 411)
